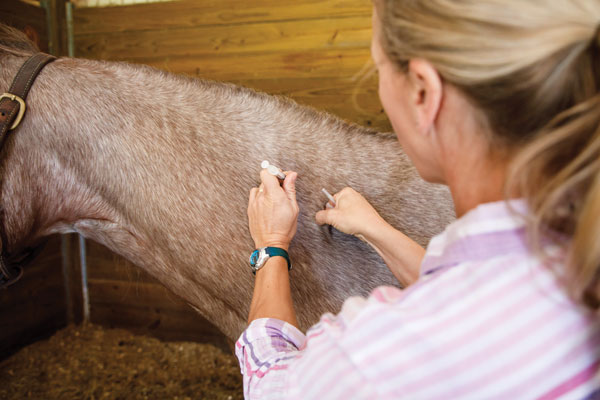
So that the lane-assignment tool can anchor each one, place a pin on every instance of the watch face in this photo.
(254, 257)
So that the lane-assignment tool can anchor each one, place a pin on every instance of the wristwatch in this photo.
(259, 257)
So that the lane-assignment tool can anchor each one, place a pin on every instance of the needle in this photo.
(330, 197)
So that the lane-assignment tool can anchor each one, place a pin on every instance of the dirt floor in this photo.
(91, 362)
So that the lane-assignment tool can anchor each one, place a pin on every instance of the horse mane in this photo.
(15, 42)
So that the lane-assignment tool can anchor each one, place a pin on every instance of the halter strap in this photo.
(12, 110)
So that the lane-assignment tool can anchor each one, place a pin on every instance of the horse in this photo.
(157, 167)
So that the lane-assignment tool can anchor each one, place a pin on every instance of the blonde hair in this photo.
(533, 68)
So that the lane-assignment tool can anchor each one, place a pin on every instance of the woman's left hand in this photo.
(273, 211)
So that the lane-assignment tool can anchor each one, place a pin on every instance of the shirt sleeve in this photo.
(265, 350)
(278, 361)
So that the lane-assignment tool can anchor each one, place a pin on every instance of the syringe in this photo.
(272, 169)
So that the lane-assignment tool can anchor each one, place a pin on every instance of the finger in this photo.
(289, 185)
(252, 197)
(324, 217)
(270, 183)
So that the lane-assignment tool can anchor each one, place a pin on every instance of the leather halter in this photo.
(12, 110)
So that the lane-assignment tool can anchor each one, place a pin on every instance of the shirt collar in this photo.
(487, 231)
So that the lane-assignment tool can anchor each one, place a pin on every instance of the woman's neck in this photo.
(484, 186)
(478, 178)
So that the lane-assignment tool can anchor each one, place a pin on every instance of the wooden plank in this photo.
(347, 98)
(106, 265)
(204, 41)
(123, 295)
(312, 60)
(320, 71)
(35, 306)
(192, 13)
(139, 294)
(330, 88)
(325, 63)
(172, 325)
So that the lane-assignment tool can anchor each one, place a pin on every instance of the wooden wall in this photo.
(35, 306)
(311, 50)
(123, 295)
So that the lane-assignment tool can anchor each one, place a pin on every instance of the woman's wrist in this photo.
(374, 230)
(272, 297)
(273, 265)
(282, 245)
(401, 254)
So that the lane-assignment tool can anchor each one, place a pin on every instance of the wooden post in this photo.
(57, 35)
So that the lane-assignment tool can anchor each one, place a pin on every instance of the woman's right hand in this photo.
(353, 214)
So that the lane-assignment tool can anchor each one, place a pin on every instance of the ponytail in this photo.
(559, 175)
(584, 257)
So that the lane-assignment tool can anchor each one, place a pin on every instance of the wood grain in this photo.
(123, 295)
(312, 51)
(193, 13)
(201, 41)
(35, 306)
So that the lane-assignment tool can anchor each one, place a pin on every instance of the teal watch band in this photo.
(276, 251)
(259, 257)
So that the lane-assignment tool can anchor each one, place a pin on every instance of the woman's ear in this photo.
(427, 93)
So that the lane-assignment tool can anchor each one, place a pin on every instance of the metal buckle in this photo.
(21, 102)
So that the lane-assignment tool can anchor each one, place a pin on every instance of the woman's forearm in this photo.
(402, 255)
(272, 296)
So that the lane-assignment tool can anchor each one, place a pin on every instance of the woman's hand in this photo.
(352, 214)
(273, 219)
(273, 211)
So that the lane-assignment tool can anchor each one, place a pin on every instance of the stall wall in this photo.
(311, 50)
(34, 307)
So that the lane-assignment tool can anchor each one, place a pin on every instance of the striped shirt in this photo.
(487, 319)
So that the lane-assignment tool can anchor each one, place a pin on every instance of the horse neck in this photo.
(72, 163)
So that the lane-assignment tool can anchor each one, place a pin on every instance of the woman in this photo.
(499, 100)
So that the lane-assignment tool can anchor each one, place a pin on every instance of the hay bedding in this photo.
(91, 362)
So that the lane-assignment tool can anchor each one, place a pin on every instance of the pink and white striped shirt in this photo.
(486, 320)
